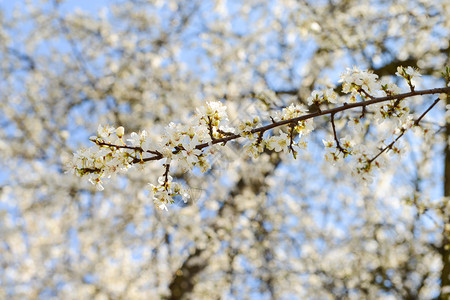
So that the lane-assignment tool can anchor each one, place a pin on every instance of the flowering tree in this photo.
(243, 121)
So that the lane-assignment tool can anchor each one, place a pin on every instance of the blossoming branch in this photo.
(189, 145)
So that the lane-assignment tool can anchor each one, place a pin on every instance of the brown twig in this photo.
(338, 144)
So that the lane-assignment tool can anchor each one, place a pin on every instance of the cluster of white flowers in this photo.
(295, 140)
(367, 84)
(188, 146)
(337, 147)
(164, 193)
(254, 146)
(287, 142)
(319, 97)
(101, 161)
(411, 75)
(180, 145)
(357, 81)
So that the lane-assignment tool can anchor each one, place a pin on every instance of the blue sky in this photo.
(68, 5)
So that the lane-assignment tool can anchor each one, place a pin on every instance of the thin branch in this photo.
(139, 149)
(330, 111)
(361, 90)
(338, 144)
(166, 175)
(416, 122)
(210, 129)
(262, 129)
(291, 139)
(24, 57)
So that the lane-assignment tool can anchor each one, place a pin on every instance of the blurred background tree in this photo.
(271, 228)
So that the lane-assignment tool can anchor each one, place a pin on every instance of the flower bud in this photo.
(120, 131)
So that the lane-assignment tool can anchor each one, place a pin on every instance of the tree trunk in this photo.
(445, 247)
